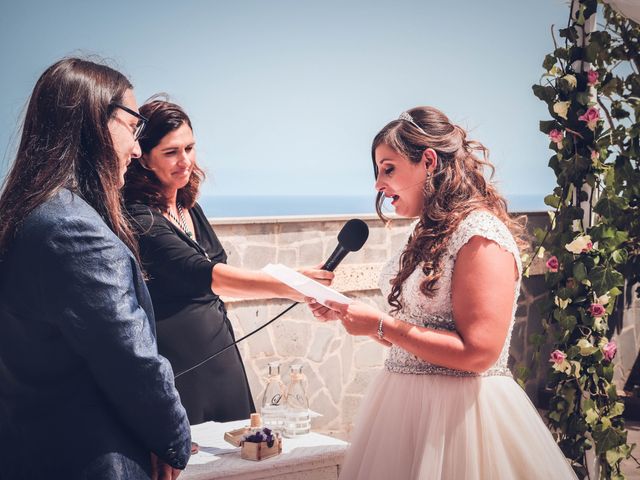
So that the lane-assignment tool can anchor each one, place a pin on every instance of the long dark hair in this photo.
(140, 184)
(457, 187)
(66, 143)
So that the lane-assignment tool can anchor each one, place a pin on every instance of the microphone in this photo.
(350, 239)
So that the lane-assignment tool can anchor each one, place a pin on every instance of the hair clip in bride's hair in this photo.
(407, 117)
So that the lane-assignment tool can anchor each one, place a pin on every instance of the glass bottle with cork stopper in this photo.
(297, 421)
(273, 400)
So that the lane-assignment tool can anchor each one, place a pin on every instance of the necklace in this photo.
(182, 223)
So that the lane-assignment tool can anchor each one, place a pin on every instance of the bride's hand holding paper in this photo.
(357, 318)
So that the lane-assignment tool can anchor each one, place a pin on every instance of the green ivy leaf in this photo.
(586, 348)
(607, 437)
(555, 415)
(591, 52)
(611, 86)
(618, 112)
(570, 33)
(552, 200)
(604, 278)
(587, 403)
(611, 206)
(544, 93)
(568, 323)
(616, 410)
(612, 392)
(561, 53)
(613, 457)
(583, 98)
(539, 233)
(579, 271)
(549, 62)
(620, 256)
(547, 125)
(575, 167)
(614, 292)
(591, 416)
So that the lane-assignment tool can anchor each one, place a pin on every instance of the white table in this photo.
(309, 457)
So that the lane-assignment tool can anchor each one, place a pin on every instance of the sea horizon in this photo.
(282, 205)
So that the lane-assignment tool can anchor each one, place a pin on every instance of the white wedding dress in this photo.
(423, 421)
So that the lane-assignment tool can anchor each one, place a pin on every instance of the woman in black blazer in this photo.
(187, 270)
(83, 391)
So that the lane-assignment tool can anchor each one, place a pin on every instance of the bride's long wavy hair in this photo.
(457, 187)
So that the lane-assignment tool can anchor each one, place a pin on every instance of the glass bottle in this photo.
(296, 418)
(272, 408)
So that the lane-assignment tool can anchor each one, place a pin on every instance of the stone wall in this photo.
(340, 367)
(628, 340)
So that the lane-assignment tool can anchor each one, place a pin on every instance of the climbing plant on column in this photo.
(593, 235)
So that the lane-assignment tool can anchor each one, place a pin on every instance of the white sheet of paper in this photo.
(304, 284)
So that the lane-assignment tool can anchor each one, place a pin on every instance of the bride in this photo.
(445, 406)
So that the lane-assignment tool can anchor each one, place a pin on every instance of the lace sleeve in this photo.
(484, 224)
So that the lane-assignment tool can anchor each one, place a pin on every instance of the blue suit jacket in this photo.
(83, 391)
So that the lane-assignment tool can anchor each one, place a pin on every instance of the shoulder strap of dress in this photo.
(484, 224)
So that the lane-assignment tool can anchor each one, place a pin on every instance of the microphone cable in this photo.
(224, 349)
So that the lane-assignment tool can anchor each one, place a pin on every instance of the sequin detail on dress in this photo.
(436, 312)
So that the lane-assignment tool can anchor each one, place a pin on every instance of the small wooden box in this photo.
(234, 437)
(260, 451)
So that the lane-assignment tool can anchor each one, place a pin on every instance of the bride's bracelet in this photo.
(380, 325)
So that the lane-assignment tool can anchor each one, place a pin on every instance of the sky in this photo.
(285, 96)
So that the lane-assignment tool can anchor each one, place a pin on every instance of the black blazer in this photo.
(83, 391)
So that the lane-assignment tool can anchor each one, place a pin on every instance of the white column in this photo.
(588, 218)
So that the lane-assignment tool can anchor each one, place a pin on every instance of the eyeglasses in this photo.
(142, 120)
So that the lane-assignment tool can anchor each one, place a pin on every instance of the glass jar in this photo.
(296, 418)
(273, 400)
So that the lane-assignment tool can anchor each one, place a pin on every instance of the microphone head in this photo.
(353, 235)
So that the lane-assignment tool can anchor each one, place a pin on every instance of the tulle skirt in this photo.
(444, 427)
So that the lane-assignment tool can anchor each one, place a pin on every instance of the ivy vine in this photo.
(592, 88)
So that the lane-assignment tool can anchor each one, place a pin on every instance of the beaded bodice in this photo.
(436, 312)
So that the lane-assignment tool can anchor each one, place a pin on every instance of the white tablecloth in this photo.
(299, 459)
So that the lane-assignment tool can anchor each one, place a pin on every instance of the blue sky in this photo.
(286, 96)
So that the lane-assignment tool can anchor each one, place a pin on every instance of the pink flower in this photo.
(596, 310)
(592, 77)
(588, 247)
(553, 264)
(556, 137)
(591, 116)
(610, 350)
(557, 357)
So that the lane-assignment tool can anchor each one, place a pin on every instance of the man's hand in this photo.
(162, 471)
